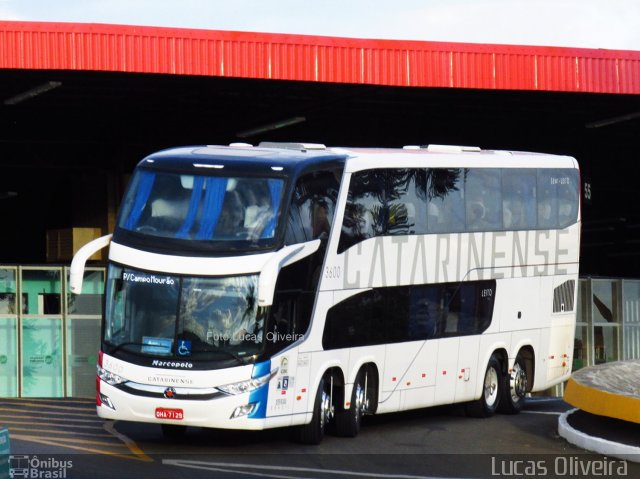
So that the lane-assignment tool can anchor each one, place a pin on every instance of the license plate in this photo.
(165, 413)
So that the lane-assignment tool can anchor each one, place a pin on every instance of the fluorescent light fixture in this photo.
(33, 92)
(613, 121)
(276, 125)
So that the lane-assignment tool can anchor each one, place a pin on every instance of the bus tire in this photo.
(173, 431)
(313, 432)
(515, 388)
(348, 421)
(493, 384)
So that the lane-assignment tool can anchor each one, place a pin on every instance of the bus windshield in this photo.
(195, 318)
(205, 208)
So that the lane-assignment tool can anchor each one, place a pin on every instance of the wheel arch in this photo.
(337, 374)
(368, 363)
(373, 386)
(503, 358)
(529, 356)
(332, 370)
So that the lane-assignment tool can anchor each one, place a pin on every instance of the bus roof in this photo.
(287, 159)
(271, 161)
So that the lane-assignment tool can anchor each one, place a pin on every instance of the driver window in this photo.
(288, 319)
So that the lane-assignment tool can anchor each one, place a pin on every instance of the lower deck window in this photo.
(410, 313)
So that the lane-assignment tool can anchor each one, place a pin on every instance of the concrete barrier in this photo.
(610, 389)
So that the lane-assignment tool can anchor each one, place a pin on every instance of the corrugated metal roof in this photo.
(118, 48)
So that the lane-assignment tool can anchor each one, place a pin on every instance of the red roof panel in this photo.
(119, 48)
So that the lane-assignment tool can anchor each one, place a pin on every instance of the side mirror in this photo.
(80, 259)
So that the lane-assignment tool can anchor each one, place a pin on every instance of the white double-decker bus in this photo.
(305, 286)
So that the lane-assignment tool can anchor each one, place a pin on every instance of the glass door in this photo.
(8, 331)
(41, 334)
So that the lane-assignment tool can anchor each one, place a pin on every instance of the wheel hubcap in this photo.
(491, 387)
(361, 403)
(326, 409)
(518, 383)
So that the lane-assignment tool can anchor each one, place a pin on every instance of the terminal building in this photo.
(81, 104)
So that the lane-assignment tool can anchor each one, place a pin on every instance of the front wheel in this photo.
(323, 412)
(489, 400)
(348, 421)
(515, 388)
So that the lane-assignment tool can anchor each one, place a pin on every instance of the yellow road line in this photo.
(47, 418)
(602, 403)
(29, 423)
(53, 431)
(65, 440)
(41, 406)
(40, 440)
(133, 447)
(45, 400)
(81, 414)
(72, 422)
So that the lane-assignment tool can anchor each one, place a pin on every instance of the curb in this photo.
(596, 444)
(597, 400)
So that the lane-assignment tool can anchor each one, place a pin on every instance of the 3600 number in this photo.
(331, 272)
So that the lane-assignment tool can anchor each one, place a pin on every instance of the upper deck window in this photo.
(401, 201)
(205, 208)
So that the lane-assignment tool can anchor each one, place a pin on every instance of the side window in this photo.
(445, 200)
(406, 202)
(312, 206)
(450, 309)
(557, 198)
(364, 215)
(483, 199)
(288, 319)
(410, 313)
(358, 321)
(468, 308)
(425, 311)
(547, 199)
(519, 199)
(384, 202)
(568, 197)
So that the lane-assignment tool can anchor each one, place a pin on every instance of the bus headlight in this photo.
(247, 386)
(109, 377)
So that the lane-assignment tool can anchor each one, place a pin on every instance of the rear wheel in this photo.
(492, 387)
(323, 414)
(348, 421)
(515, 388)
